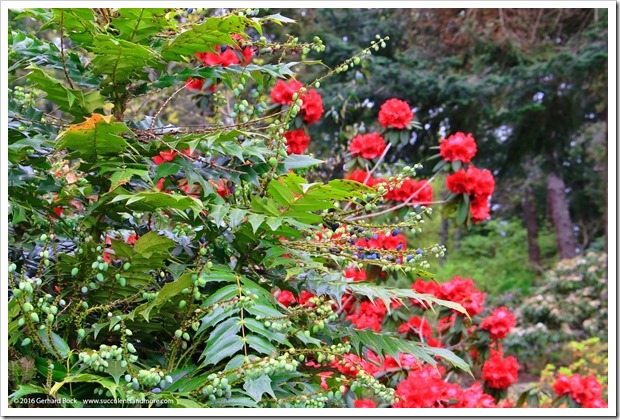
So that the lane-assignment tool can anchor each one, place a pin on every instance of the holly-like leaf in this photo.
(151, 243)
(56, 346)
(259, 386)
(73, 101)
(122, 60)
(96, 137)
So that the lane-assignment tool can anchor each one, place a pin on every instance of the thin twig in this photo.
(369, 173)
(62, 49)
(163, 106)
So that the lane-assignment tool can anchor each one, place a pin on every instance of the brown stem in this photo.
(62, 49)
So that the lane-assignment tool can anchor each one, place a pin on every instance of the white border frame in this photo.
(319, 412)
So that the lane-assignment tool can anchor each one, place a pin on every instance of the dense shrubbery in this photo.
(570, 305)
(195, 266)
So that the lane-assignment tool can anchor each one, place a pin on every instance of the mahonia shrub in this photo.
(162, 264)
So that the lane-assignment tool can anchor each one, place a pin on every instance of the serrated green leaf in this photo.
(294, 161)
(151, 243)
(259, 386)
(223, 342)
(236, 217)
(256, 220)
(57, 346)
(260, 344)
(73, 101)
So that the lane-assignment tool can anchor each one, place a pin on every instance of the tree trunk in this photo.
(556, 198)
(531, 224)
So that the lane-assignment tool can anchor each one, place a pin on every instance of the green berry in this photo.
(178, 333)
(26, 341)
(126, 266)
(43, 237)
(182, 304)
(81, 333)
(34, 317)
(273, 161)
(75, 271)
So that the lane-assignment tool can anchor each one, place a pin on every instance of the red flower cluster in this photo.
(297, 141)
(287, 298)
(368, 146)
(395, 113)
(499, 372)
(418, 325)
(479, 184)
(585, 391)
(383, 241)
(283, 92)
(474, 397)
(357, 274)
(369, 315)
(367, 403)
(312, 103)
(424, 388)
(312, 107)
(499, 323)
(226, 56)
(360, 176)
(417, 192)
(458, 147)
(457, 290)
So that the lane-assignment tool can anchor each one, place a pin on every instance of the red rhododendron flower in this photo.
(424, 388)
(286, 298)
(131, 239)
(463, 291)
(585, 391)
(224, 58)
(367, 403)
(416, 192)
(282, 92)
(368, 146)
(360, 176)
(304, 297)
(312, 107)
(395, 113)
(499, 323)
(499, 372)
(398, 242)
(297, 141)
(357, 274)
(164, 157)
(474, 397)
(369, 315)
(246, 51)
(422, 287)
(458, 147)
(194, 84)
(478, 184)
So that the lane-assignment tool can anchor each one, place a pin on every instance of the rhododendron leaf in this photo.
(404, 136)
(439, 166)
(456, 165)
(462, 210)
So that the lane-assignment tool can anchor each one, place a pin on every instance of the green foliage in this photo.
(143, 257)
(496, 269)
(570, 305)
